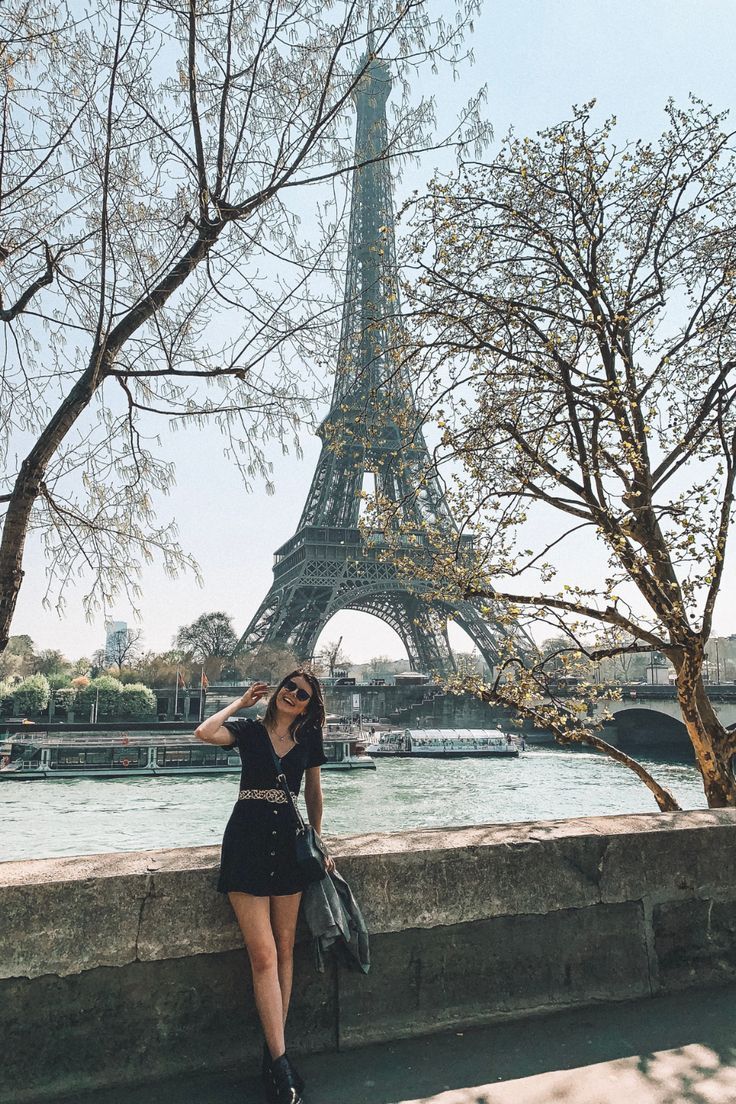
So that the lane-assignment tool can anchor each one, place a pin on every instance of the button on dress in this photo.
(258, 848)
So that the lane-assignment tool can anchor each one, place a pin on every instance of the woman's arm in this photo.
(212, 730)
(313, 801)
(313, 797)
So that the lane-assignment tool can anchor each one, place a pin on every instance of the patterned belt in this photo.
(276, 795)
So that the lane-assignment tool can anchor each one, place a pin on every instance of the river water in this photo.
(88, 816)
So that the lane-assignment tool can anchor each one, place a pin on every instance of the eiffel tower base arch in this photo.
(298, 607)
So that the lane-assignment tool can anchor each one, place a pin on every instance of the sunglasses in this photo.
(299, 694)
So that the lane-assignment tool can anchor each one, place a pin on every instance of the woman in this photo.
(258, 868)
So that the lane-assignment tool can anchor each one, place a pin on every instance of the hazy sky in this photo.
(537, 57)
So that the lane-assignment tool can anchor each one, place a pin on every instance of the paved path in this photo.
(671, 1050)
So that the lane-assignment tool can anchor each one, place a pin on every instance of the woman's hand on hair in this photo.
(253, 694)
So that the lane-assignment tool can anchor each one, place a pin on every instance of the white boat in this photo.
(352, 740)
(444, 743)
(41, 754)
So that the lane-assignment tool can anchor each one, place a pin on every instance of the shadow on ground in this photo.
(678, 1049)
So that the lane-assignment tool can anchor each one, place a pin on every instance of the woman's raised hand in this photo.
(253, 694)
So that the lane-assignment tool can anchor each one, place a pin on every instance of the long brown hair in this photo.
(313, 715)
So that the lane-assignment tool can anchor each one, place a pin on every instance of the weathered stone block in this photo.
(146, 1020)
(206, 925)
(523, 875)
(646, 863)
(428, 979)
(68, 927)
(695, 942)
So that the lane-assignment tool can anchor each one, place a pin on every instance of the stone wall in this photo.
(123, 968)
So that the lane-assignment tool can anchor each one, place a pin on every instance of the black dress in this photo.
(258, 848)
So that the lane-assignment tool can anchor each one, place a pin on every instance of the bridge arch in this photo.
(648, 729)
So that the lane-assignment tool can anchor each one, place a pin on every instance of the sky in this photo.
(537, 57)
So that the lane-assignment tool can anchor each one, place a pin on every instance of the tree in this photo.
(270, 662)
(123, 648)
(99, 662)
(50, 661)
(575, 311)
(333, 657)
(160, 668)
(157, 160)
(12, 666)
(468, 663)
(21, 645)
(379, 665)
(211, 636)
(18, 658)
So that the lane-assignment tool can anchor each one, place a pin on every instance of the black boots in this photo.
(282, 1083)
(285, 1082)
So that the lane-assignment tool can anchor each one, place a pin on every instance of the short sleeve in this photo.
(237, 727)
(315, 749)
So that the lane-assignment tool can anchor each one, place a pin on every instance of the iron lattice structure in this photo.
(330, 563)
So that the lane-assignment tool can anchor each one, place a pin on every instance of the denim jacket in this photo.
(333, 916)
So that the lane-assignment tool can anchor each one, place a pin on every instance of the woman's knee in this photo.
(263, 957)
(285, 947)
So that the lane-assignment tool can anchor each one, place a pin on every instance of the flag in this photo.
(205, 681)
(180, 681)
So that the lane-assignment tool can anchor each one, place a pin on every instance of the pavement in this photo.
(677, 1049)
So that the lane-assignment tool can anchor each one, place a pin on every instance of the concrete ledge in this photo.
(130, 967)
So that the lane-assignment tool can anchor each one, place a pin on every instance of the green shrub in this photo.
(137, 701)
(64, 697)
(6, 695)
(105, 690)
(31, 695)
(58, 681)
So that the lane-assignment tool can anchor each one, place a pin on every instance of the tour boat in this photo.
(444, 743)
(44, 754)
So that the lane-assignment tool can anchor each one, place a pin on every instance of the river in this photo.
(88, 816)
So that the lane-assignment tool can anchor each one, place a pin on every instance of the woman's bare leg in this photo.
(284, 912)
(254, 917)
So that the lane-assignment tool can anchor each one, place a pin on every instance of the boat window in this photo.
(330, 752)
(64, 758)
(129, 757)
(25, 753)
(173, 757)
(208, 756)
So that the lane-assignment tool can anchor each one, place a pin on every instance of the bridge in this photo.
(649, 717)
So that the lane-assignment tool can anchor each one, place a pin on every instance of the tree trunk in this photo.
(32, 472)
(24, 494)
(709, 738)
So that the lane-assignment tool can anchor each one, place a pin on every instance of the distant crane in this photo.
(331, 654)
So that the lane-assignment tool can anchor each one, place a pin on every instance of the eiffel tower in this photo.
(372, 428)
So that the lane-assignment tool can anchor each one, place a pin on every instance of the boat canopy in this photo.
(454, 734)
